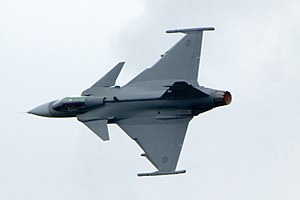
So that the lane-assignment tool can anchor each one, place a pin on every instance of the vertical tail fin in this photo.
(109, 79)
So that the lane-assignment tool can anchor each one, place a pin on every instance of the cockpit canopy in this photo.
(69, 104)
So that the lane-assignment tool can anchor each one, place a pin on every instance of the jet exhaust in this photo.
(222, 98)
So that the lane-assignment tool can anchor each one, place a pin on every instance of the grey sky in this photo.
(248, 150)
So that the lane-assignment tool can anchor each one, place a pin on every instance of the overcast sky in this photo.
(52, 49)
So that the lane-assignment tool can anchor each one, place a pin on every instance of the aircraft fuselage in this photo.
(116, 107)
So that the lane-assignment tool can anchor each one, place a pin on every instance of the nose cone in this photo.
(42, 110)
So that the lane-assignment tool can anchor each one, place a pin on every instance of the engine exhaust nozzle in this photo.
(222, 98)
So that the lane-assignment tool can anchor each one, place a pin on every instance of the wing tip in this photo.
(189, 30)
(160, 173)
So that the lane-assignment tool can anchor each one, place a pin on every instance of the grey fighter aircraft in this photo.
(154, 108)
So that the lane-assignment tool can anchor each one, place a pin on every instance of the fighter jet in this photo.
(154, 108)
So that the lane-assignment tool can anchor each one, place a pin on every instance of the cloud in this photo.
(247, 150)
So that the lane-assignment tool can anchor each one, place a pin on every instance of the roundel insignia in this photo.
(164, 159)
(188, 43)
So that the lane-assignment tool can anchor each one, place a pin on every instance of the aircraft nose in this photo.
(42, 110)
